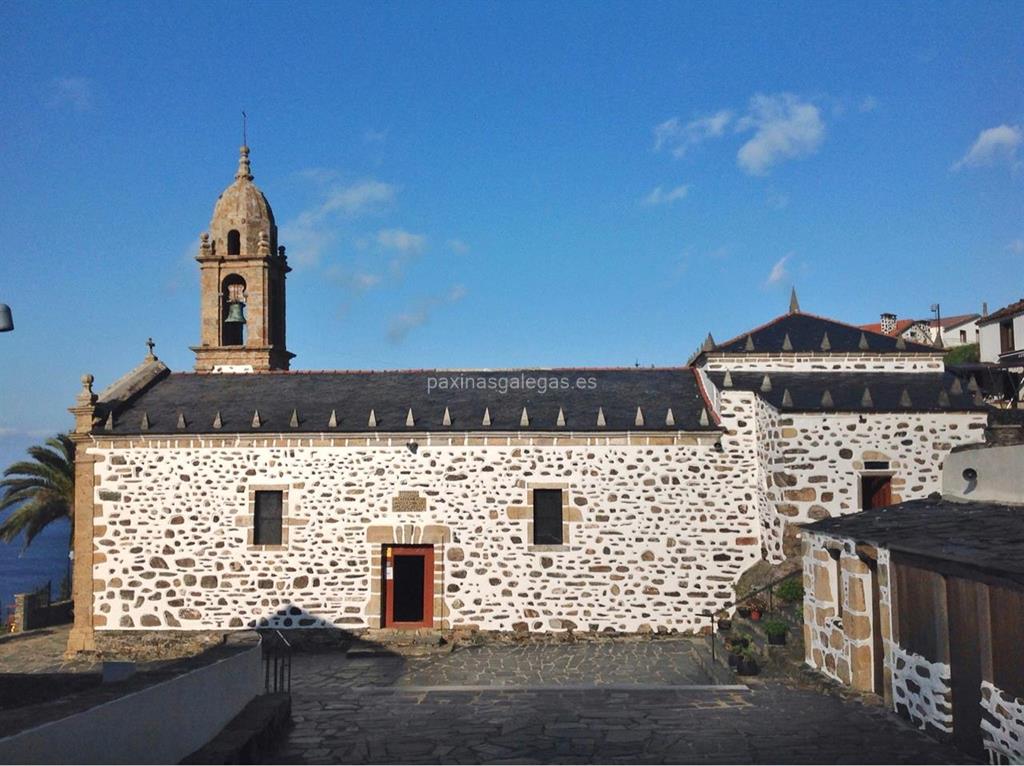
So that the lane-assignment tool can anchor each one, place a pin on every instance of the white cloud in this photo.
(994, 146)
(868, 104)
(73, 92)
(404, 323)
(679, 137)
(779, 272)
(659, 196)
(1017, 246)
(457, 246)
(400, 240)
(316, 228)
(785, 127)
(355, 283)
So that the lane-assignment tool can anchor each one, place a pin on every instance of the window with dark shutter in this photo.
(547, 517)
(268, 518)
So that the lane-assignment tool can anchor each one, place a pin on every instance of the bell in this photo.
(6, 321)
(235, 315)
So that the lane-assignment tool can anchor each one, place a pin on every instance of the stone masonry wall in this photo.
(819, 458)
(768, 455)
(657, 532)
(921, 691)
(825, 362)
(839, 642)
(1002, 723)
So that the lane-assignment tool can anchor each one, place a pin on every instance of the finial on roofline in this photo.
(244, 170)
(794, 304)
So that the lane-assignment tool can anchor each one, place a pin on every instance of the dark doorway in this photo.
(875, 491)
(409, 581)
(965, 663)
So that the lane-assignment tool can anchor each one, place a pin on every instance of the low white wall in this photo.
(162, 723)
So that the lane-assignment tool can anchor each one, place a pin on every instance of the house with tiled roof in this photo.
(246, 494)
(1002, 335)
(946, 332)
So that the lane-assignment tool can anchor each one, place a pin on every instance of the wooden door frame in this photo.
(388, 552)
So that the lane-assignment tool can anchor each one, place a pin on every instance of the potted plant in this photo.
(790, 591)
(724, 623)
(776, 630)
(757, 607)
(748, 663)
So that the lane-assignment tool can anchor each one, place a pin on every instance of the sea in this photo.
(46, 559)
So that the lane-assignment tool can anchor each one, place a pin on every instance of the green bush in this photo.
(776, 628)
(963, 354)
(791, 591)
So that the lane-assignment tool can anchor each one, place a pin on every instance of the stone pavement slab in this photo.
(453, 709)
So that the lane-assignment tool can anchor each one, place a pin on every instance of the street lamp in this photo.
(6, 320)
(938, 320)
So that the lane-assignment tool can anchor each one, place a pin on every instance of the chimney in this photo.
(984, 308)
(888, 323)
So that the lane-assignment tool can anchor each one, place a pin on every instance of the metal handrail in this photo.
(277, 665)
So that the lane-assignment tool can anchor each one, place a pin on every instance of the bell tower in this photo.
(241, 282)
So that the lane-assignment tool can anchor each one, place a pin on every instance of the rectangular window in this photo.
(963, 336)
(1006, 343)
(547, 517)
(267, 524)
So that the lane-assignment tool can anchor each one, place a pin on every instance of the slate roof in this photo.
(1005, 312)
(806, 333)
(925, 391)
(988, 536)
(313, 396)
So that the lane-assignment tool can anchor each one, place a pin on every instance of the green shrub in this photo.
(791, 591)
(776, 628)
(963, 354)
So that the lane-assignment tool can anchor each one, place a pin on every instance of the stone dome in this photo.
(242, 208)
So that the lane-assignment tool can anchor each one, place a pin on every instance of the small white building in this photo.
(1002, 335)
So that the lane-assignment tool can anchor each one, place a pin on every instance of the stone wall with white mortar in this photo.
(839, 641)
(820, 458)
(921, 690)
(661, 531)
(824, 362)
(1002, 723)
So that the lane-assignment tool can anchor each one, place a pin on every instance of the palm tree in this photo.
(41, 489)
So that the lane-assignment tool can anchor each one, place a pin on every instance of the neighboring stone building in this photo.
(923, 602)
(548, 499)
(1002, 336)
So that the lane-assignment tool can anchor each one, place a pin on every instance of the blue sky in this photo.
(500, 184)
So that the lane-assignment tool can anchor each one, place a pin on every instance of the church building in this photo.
(246, 494)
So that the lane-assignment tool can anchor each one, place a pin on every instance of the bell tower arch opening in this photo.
(232, 327)
(242, 272)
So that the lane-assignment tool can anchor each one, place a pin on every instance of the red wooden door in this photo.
(409, 586)
(876, 492)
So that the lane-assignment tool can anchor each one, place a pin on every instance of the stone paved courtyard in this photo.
(607, 702)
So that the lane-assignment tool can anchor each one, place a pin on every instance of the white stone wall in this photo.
(825, 362)
(922, 688)
(1002, 722)
(820, 458)
(665, 531)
